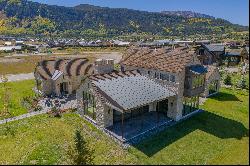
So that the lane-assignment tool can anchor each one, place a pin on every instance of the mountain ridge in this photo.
(33, 18)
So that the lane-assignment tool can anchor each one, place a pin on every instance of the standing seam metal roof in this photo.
(131, 91)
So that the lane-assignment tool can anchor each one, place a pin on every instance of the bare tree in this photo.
(5, 96)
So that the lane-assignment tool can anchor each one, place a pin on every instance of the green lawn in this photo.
(220, 135)
(45, 140)
(17, 91)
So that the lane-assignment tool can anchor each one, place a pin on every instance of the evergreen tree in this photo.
(242, 83)
(81, 154)
(228, 80)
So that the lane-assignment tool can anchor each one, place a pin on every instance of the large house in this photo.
(210, 54)
(157, 85)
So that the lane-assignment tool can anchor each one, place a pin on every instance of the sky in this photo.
(235, 11)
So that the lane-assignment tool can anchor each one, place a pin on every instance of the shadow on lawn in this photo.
(225, 97)
(208, 122)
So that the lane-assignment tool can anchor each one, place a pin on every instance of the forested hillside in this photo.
(22, 17)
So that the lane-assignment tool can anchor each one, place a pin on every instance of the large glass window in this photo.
(164, 76)
(89, 104)
(213, 87)
(190, 104)
(157, 75)
(198, 81)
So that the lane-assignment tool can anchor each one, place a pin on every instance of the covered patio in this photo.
(134, 104)
(138, 125)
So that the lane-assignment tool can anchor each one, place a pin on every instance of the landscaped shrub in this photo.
(55, 112)
(228, 80)
(38, 108)
(242, 83)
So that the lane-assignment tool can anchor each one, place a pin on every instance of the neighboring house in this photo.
(245, 53)
(61, 76)
(212, 84)
(64, 76)
(32, 47)
(209, 54)
(232, 58)
(19, 43)
(8, 43)
(10, 48)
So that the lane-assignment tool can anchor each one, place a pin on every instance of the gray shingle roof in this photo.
(232, 54)
(131, 91)
(214, 47)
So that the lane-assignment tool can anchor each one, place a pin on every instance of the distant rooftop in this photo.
(215, 47)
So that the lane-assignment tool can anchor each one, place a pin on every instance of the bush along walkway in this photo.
(47, 104)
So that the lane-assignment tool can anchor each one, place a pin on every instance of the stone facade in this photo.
(212, 75)
(74, 71)
(177, 85)
(104, 113)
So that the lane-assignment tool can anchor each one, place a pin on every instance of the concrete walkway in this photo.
(23, 116)
(19, 77)
(46, 104)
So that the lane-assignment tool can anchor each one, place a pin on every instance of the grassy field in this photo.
(17, 90)
(45, 140)
(220, 135)
(27, 64)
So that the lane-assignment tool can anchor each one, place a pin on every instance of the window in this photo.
(157, 75)
(122, 68)
(161, 76)
(172, 78)
(89, 104)
(149, 72)
(165, 77)
(190, 104)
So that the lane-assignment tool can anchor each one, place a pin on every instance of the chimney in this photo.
(103, 66)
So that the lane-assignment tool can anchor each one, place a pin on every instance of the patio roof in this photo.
(130, 90)
(198, 69)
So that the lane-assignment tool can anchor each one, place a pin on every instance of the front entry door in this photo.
(64, 88)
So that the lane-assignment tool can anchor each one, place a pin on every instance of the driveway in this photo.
(19, 77)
